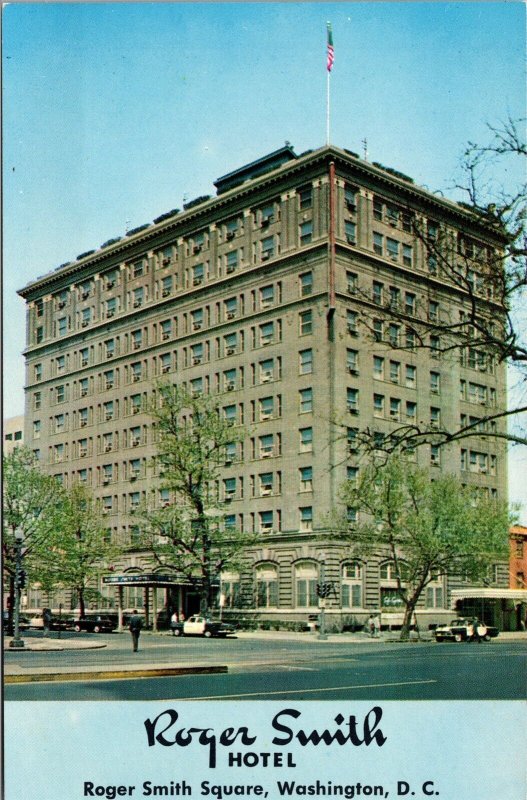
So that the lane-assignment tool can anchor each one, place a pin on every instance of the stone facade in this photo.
(269, 294)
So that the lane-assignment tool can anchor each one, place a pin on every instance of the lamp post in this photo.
(16, 641)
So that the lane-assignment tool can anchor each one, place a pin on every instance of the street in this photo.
(290, 668)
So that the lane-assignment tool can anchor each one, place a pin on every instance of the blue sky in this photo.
(115, 112)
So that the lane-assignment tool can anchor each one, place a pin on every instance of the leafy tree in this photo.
(424, 528)
(79, 548)
(488, 271)
(190, 535)
(32, 503)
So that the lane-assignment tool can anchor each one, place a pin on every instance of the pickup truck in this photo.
(198, 625)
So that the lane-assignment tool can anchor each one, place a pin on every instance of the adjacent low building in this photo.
(275, 293)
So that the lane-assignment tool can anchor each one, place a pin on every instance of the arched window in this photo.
(351, 591)
(435, 594)
(390, 598)
(266, 580)
(306, 577)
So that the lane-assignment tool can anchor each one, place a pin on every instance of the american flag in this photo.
(331, 52)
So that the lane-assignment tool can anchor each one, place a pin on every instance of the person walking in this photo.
(475, 637)
(376, 626)
(174, 621)
(136, 623)
(46, 621)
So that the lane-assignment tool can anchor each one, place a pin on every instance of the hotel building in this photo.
(274, 293)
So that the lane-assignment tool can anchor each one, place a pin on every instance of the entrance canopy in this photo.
(146, 579)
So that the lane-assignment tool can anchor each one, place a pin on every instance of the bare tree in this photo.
(488, 271)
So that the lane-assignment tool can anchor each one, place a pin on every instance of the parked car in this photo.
(94, 624)
(58, 622)
(198, 625)
(460, 630)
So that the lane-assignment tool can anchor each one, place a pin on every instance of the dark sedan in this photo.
(94, 624)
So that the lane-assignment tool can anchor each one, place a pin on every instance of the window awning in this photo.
(151, 579)
(517, 595)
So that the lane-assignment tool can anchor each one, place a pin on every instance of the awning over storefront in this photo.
(516, 595)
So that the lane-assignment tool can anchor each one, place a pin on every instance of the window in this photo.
(83, 387)
(393, 334)
(351, 320)
(108, 410)
(305, 196)
(266, 296)
(109, 348)
(435, 455)
(37, 400)
(395, 371)
(411, 411)
(306, 232)
(433, 310)
(84, 355)
(63, 326)
(352, 439)
(265, 484)
(36, 429)
(378, 405)
(60, 393)
(352, 362)
(135, 403)
(350, 197)
(395, 408)
(435, 382)
(109, 379)
(392, 247)
(306, 576)
(85, 317)
(229, 380)
(266, 408)
(351, 585)
(196, 318)
(377, 292)
(266, 370)
(306, 322)
(229, 489)
(395, 297)
(377, 208)
(266, 579)
(306, 284)
(410, 376)
(350, 230)
(378, 243)
(138, 297)
(265, 521)
(266, 445)
(166, 330)
(407, 255)
(61, 364)
(267, 331)
(352, 282)
(352, 400)
(136, 371)
(166, 286)
(409, 303)
(306, 479)
(306, 440)
(83, 417)
(231, 261)
(435, 417)
(198, 273)
(306, 362)
(378, 368)
(137, 269)
(434, 594)
(306, 400)
(306, 518)
(229, 414)
(267, 248)
(111, 307)
(165, 363)
(37, 371)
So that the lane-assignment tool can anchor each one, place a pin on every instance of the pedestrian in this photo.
(136, 623)
(475, 637)
(174, 621)
(376, 626)
(46, 621)
(371, 625)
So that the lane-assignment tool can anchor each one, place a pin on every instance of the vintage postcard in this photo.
(264, 443)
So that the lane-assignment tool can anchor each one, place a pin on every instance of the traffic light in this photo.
(324, 589)
(22, 579)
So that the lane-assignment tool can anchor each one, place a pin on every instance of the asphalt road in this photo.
(295, 670)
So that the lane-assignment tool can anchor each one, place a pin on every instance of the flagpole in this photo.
(327, 107)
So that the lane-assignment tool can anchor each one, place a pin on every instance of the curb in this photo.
(114, 674)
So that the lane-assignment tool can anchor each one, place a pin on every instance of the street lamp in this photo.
(16, 641)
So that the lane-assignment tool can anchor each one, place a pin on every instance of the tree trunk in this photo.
(82, 604)
(407, 621)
